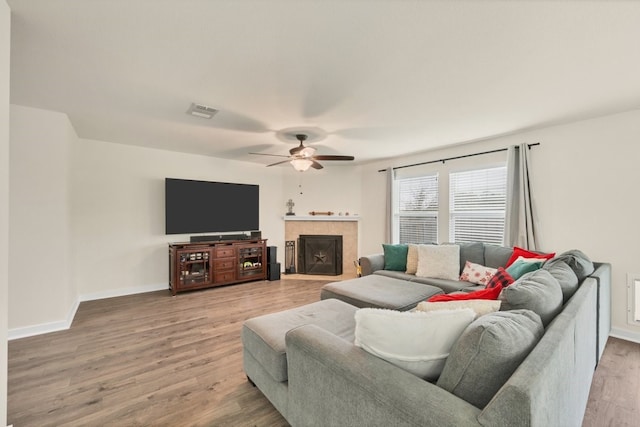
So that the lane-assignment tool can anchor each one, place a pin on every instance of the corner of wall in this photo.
(626, 335)
(5, 47)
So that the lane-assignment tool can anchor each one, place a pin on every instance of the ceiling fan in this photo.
(302, 158)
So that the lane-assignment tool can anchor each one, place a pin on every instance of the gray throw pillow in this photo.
(565, 276)
(496, 256)
(471, 251)
(537, 291)
(488, 352)
(577, 260)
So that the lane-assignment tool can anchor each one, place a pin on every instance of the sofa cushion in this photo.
(395, 257)
(565, 276)
(520, 252)
(496, 256)
(379, 291)
(401, 275)
(578, 261)
(479, 306)
(476, 273)
(537, 291)
(501, 278)
(264, 336)
(472, 252)
(488, 352)
(439, 261)
(445, 284)
(417, 341)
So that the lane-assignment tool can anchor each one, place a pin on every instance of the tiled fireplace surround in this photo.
(345, 226)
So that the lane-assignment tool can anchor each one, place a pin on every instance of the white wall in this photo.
(119, 241)
(585, 181)
(5, 47)
(96, 211)
(334, 188)
(41, 291)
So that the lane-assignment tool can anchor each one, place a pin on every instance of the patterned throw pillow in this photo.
(476, 273)
(501, 278)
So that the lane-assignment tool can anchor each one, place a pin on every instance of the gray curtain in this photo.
(389, 207)
(519, 228)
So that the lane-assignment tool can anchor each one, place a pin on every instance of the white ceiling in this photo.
(375, 78)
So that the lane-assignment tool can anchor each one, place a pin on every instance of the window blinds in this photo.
(417, 211)
(477, 201)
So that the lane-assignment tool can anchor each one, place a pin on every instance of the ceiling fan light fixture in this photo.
(307, 152)
(301, 165)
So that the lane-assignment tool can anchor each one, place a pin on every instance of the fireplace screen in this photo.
(320, 254)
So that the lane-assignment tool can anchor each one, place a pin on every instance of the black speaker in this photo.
(272, 256)
(273, 271)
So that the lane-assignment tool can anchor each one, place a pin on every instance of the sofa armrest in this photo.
(334, 383)
(602, 274)
(371, 263)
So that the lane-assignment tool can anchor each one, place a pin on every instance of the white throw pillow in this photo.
(476, 273)
(439, 261)
(479, 306)
(416, 341)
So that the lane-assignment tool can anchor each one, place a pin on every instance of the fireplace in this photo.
(320, 254)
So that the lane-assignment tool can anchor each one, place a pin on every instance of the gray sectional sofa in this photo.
(306, 363)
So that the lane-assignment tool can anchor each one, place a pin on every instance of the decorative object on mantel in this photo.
(290, 206)
(314, 213)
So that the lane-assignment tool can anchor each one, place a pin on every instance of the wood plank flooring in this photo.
(156, 360)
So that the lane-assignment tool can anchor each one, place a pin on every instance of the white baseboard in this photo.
(626, 335)
(123, 291)
(45, 328)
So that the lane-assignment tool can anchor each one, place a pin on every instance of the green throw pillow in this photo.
(520, 268)
(395, 257)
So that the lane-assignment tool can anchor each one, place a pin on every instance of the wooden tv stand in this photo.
(207, 264)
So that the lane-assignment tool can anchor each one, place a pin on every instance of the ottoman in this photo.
(263, 339)
(377, 291)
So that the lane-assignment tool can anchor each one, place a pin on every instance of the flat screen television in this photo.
(205, 207)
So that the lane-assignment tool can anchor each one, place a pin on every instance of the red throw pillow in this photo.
(501, 278)
(519, 252)
(492, 293)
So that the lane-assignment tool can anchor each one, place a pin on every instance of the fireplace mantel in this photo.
(343, 225)
(321, 218)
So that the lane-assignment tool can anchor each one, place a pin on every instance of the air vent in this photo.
(202, 111)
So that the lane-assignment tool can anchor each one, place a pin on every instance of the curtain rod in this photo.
(455, 158)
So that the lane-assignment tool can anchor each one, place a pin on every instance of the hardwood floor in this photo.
(614, 399)
(156, 360)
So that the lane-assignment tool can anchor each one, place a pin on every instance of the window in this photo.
(477, 202)
(417, 209)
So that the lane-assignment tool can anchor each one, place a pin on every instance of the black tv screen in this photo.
(203, 206)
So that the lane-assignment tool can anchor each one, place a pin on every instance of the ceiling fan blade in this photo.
(316, 165)
(267, 154)
(332, 157)
(279, 163)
